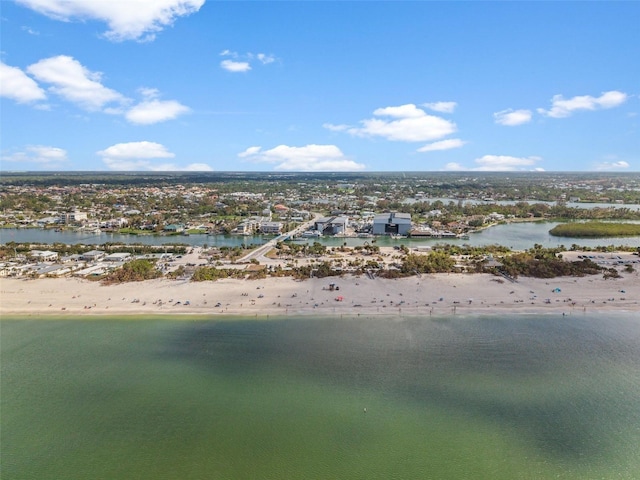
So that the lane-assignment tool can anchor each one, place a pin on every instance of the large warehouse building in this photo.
(393, 223)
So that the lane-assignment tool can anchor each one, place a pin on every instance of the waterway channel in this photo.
(518, 236)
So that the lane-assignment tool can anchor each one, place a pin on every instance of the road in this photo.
(259, 253)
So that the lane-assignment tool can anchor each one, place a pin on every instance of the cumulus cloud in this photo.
(136, 150)
(442, 107)
(242, 62)
(135, 156)
(77, 84)
(442, 145)
(403, 111)
(561, 107)
(511, 118)
(614, 165)
(404, 123)
(18, 86)
(38, 154)
(127, 20)
(233, 66)
(155, 111)
(310, 158)
(74, 82)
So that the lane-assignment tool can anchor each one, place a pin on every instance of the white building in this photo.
(271, 227)
(92, 256)
(73, 217)
(117, 257)
(43, 255)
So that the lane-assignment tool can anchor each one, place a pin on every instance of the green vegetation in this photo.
(596, 230)
(11, 249)
(435, 262)
(203, 274)
(134, 271)
(541, 262)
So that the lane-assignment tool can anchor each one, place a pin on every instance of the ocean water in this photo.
(478, 397)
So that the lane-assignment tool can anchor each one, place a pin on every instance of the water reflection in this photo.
(551, 381)
(518, 236)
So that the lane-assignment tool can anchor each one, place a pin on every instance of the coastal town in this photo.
(301, 228)
(288, 218)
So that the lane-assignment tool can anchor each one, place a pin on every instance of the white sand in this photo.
(441, 294)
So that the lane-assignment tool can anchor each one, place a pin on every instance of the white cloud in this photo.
(505, 163)
(233, 66)
(454, 167)
(561, 107)
(141, 156)
(335, 128)
(608, 166)
(406, 123)
(77, 84)
(127, 20)
(310, 158)
(30, 31)
(15, 84)
(74, 82)
(198, 167)
(243, 62)
(499, 163)
(442, 107)
(511, 118)
(149, 93)
(142, 149)
(249, 152)
(155, 111)
(39, 154)
(265, 59)
(403, 111)
(442, 145)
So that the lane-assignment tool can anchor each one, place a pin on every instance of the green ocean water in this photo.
(526, 397)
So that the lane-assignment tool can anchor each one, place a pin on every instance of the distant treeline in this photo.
(596, 230)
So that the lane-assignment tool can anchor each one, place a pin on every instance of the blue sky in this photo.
(319, 85)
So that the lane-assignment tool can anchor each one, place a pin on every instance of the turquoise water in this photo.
(528, 397)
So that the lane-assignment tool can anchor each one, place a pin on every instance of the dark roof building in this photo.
(393, 223)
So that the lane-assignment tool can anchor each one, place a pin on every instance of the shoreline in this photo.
(435, 295)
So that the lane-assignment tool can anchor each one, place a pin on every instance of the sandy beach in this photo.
(440, 294)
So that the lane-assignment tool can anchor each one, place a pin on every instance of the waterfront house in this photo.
(174, 228)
